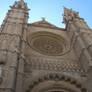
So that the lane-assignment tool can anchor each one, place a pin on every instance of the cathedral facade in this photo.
(40, 57)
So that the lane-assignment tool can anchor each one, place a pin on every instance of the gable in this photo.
(44, 23)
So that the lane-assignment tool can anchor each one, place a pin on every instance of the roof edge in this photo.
(58, 28)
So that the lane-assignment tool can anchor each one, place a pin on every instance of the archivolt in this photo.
(57, 78)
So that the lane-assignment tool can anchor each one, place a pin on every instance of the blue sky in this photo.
(51, 9)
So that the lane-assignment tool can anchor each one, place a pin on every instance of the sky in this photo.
(52, 10)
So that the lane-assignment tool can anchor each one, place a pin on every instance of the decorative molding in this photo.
(48, 43)
(64, 65)
(56, 78)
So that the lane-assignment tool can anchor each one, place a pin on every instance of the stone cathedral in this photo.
(40, 57)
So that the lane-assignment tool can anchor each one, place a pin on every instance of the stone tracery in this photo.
(47, 43)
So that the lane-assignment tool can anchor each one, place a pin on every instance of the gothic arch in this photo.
(56, 83)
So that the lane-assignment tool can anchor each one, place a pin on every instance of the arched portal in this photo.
(56, 83)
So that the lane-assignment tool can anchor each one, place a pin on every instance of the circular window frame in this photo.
(31, 38)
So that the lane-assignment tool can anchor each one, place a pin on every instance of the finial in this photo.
(22, 0)
(43, 18)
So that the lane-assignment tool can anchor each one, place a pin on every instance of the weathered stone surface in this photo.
(41, 57)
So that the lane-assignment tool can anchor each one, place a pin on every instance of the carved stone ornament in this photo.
(69, 15)
(47, 43)
(56, 83)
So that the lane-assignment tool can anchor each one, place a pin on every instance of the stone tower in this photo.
(12, 44)
(40, 57)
